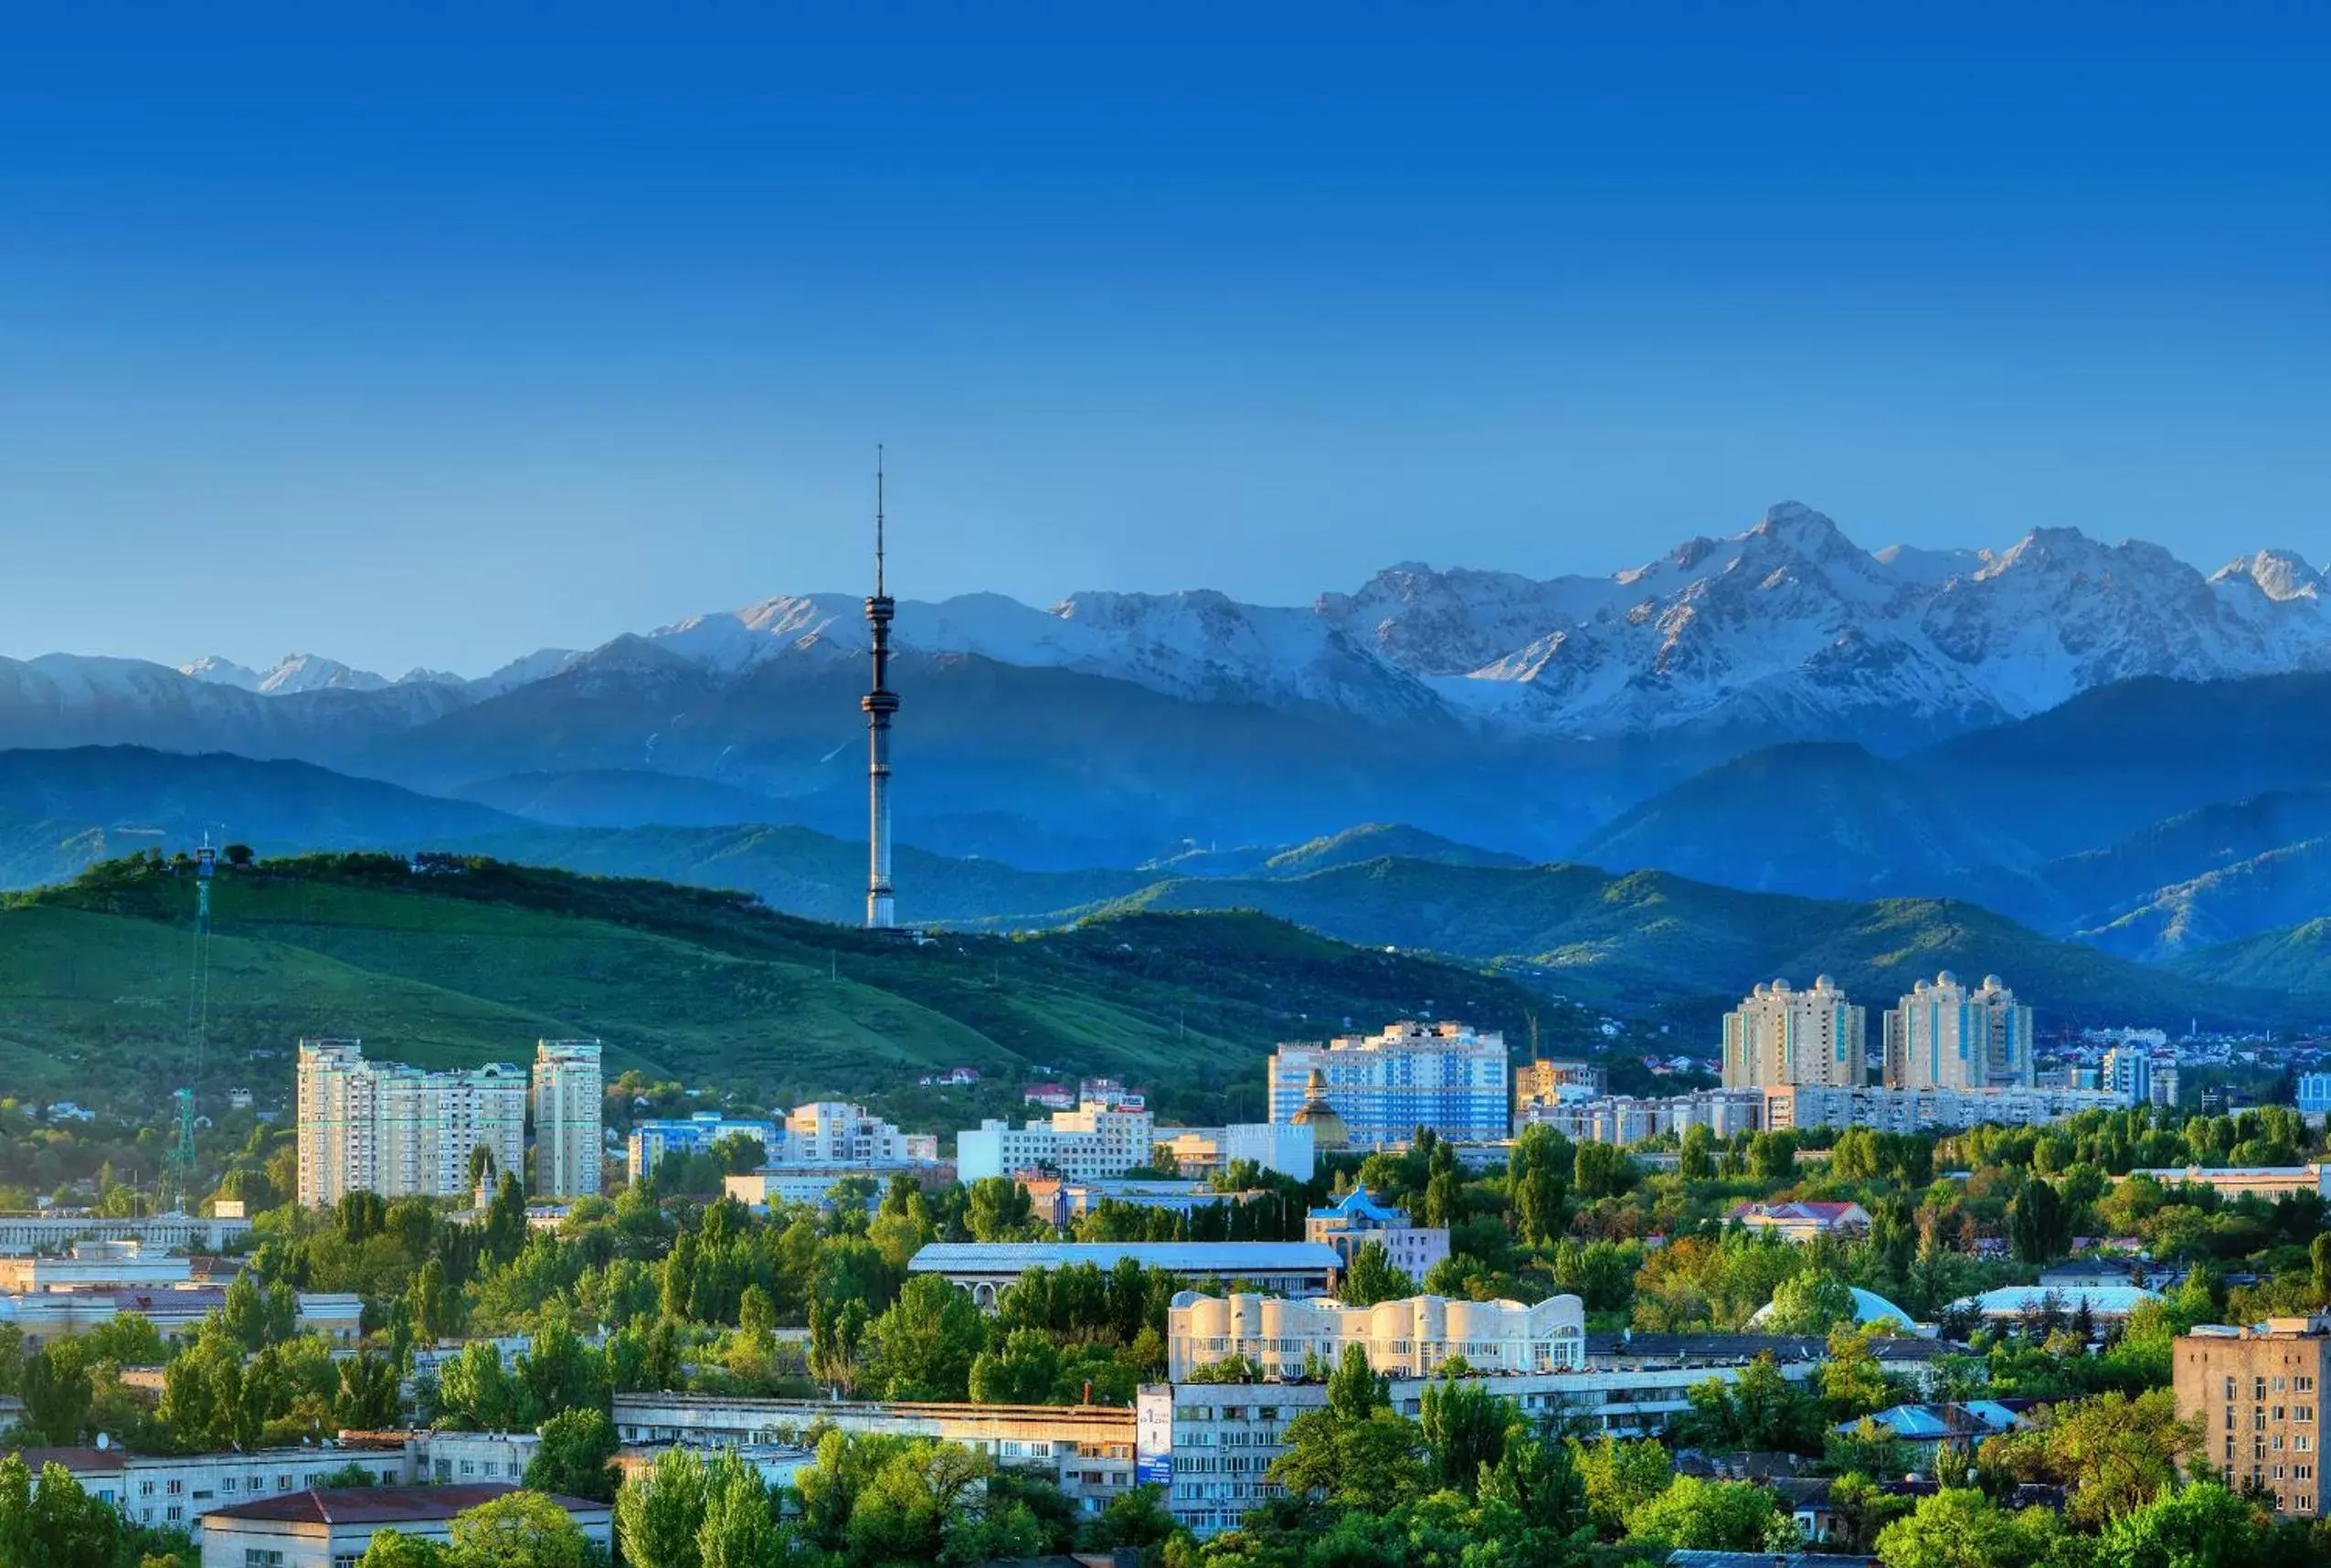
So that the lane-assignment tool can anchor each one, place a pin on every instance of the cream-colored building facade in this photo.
(379, 1127)
(1779, 1034)
(1092, 1142)
(1946, 1034)
(567, 1112)
(1409, 1338)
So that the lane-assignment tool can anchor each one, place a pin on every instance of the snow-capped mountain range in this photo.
(1788, 628)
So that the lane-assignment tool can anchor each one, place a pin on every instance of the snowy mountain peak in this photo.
(2280, 575)
(312, 672)
(1787, 627)
(218, 671)
(293, 672)
(1803, 529)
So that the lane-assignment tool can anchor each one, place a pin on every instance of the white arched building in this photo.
(1403, 1338)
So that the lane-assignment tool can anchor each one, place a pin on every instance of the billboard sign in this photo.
(1153, 1436)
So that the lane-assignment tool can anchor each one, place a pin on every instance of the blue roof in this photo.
(1932, 1422)
(1361, 1204)
(702, 1121)
(1229, 1259)
(1868, 1306)
(2014, 1300)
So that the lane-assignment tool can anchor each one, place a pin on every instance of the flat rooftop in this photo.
(383, 1505)
(1226, 1258)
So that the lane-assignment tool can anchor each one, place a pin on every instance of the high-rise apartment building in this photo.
(567, 1119)
(2136, 1071)
(2258, 1392)
(1945, 1035)
(1782, 1035)
(1384, 1086)
(379, 1127)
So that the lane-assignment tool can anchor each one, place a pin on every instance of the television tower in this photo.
(879, 704)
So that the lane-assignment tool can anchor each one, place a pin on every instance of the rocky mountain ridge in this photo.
(1787, 630)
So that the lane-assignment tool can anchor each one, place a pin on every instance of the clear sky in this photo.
(438, 341)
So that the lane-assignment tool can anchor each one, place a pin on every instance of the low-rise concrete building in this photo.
(2267, 1182)
(1791, 1106)
(178, 1492)
(461, 1458)
(780, 1464)
(42, 1316)
(1289, 1148)
(776, 1185)
(986, 1268)
(97, 1266)
(334, 1529)
(1625, 1119)
(1059, 1202)
(52, 1231)
(1086, 1449)
(1210, 1445)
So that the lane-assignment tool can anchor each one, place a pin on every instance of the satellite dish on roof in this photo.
(103, 1441)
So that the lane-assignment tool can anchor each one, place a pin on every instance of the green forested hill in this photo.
(702, 987)
(1649, 938)
(2294, 960)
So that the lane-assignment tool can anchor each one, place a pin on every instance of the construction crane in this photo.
(182, 1151)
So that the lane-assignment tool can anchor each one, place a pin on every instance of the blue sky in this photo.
(436, 341)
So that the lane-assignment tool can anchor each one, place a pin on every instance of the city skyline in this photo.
(440, 346)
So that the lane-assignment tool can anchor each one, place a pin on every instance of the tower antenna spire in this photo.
(879, 704)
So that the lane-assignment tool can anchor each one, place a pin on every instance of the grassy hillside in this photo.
(809, 874)
(1648, 938)
(2285, 886)
(1380, 841)
(702, 987)
(819, 877)
(2295, 961)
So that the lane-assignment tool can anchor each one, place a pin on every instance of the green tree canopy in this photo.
(923, 1346)
(576, 1457)
(1712, 1516)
